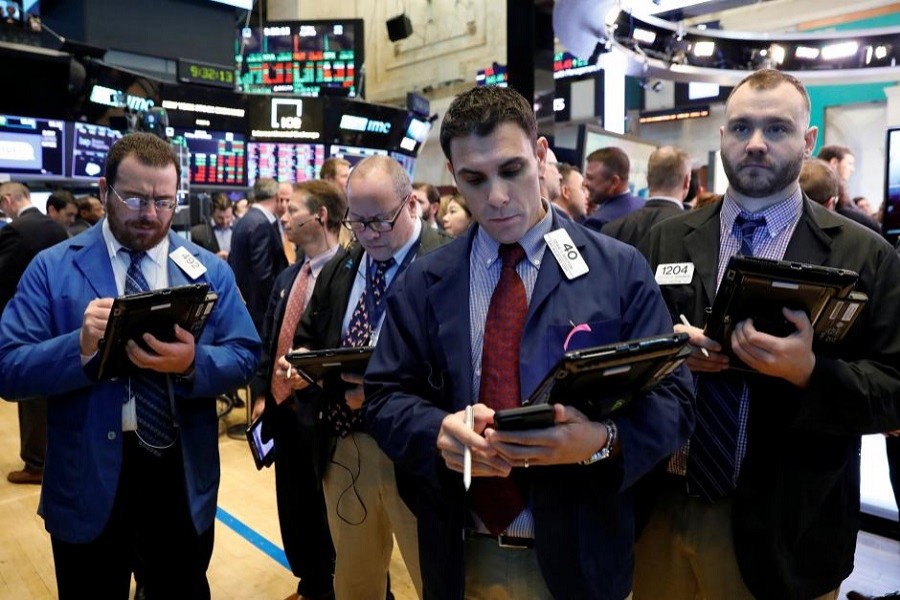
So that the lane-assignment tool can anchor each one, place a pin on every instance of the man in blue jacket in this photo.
(132, 466)
(463, 330)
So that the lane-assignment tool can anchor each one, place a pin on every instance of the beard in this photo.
(767, 180)
(139, 233)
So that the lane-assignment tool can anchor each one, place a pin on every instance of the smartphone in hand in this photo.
(536, 416)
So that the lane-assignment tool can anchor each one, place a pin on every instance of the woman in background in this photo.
(457, 217)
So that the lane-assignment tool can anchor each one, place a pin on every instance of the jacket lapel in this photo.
(811, 242)
(93, 261)
(704, 235)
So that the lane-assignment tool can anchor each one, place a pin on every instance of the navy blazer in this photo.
(20, 241)
(257, 257)
(422, 370)
(632, 228)
(39, 335)
(795, 513)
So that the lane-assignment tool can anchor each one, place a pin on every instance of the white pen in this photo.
(687, 323)
(467, 452)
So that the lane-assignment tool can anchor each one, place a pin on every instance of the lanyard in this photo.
(375, 309)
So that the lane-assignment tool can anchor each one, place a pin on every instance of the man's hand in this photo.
(222, 254)
(572, 439)
(259, 405)
(454, 436)
(790, 358)
(166, 357)
(354, 396)
(284, 369)
(713, 361)
(93, 325)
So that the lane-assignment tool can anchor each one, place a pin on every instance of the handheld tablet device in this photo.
(263, 452)
(317, 363)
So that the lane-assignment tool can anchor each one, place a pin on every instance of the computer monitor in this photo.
(86, 156)
(32, 147)
(284, 161)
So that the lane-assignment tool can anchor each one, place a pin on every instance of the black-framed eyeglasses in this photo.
(377, 225)
(139, 202)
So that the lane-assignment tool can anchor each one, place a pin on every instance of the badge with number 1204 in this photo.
(566, 253)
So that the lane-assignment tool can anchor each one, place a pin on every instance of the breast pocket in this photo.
(568, 337)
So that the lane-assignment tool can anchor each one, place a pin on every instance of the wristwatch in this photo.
(604, 452)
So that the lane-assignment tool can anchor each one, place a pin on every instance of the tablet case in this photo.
(599, 381)
(758, 288)
(263, 452)
(155, 312)
(316, 364)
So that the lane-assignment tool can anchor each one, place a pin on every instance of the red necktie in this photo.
(296, 303)
(498, 500)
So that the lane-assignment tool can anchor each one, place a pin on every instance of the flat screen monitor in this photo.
(363, 124)
(890, 222)
(217, 157)
(30, 146)
(304, 58)
(284, 161)
(414, 135)
(90, 144)
(354, 154)
(408, 162)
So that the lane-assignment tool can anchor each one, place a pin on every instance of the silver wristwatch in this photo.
(603, 453)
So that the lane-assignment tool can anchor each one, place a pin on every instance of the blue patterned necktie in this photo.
(155, 425)
(338, 415)
(713, 458)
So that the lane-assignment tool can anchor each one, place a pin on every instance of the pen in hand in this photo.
(687, 323)
(467, 452)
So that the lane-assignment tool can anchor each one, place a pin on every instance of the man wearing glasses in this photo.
(132, 464)
(347, 309)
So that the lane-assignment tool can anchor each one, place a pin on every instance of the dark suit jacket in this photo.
(795, 510)
(257, 257)
(612, 209)
(632, 228)
(20, 241)
(203, 235)
(422, 370)
(320, 326)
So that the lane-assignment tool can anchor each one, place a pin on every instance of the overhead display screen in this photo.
(30, 146)
(284, 161)
(303, 58)
(217, 157)
(354, 154)
(90, 145)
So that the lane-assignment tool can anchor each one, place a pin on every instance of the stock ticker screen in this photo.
(217, 157)
(304, 58)
(284, 161)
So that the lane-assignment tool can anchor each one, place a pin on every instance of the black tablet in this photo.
(759, 288)
(154, 312)
(316, 364)
(263, 452)
(600, 380)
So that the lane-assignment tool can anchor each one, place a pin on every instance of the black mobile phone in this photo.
(536, 416)
(263, 452)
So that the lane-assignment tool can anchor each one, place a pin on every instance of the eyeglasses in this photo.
(376, 225)
(139, 202)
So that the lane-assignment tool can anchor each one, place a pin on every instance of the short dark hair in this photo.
(329, 167)
(826, 153)
(431, 192)
(148, 149)
(767, 79)
(819, 181)
(321, 193)
(221, 201)
(565, 169)
(481, 109)
(613, 159)
(60, 199)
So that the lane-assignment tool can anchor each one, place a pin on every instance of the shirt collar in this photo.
(675, 201)
(487, 248)
(778, 216)
(316, 264)
(157, 253)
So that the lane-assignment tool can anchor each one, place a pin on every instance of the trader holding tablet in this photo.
(132, 466)
(764, 502)
(480, 322)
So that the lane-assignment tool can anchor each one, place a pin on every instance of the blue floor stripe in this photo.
(274, 552)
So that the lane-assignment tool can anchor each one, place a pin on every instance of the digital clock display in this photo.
(192, 71)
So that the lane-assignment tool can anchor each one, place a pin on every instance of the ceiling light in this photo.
(807, 52)
(643, 35)
(705, 48)
(881, 52)
(777, 53)
(840, 50)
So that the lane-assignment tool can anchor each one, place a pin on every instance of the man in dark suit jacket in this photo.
(360, 490)
(257, 250)
(574, 537)
(29, 232)
(312, 221)
(668, 178)
(606, 176)
(215, 234)
(783, 521)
